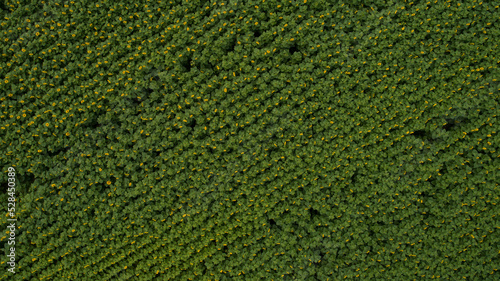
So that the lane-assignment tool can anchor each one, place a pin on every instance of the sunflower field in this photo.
(250, 140)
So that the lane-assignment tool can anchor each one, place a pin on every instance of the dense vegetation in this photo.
(251, 140)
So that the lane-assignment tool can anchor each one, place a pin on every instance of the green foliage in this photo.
(252, 140)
